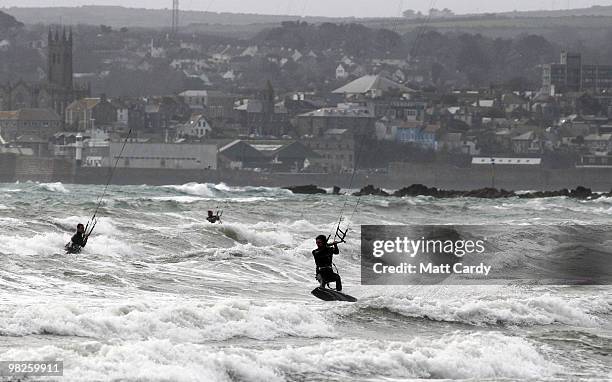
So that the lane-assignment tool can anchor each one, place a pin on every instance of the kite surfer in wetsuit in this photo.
(78, 241)
(323, 256)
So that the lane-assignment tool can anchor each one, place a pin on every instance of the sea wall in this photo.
(7, 167)
(27, 168)
(511, 178)
(44, 170)
(21, 168)
(501, 176)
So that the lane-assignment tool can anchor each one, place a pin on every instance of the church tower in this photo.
(60, 60)
(60, 87)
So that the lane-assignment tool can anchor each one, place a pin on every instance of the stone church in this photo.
(59, 90)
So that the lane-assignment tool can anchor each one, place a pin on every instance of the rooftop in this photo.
(338, 112)
(368, 83)
(31, 114)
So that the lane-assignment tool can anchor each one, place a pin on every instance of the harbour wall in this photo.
(21, 168)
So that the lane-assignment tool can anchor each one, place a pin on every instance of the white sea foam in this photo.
(259, 234)
(216, 190)
(178, 199)
(460, 355)
(32, 244)
(48, 243)
(197, 189)
(496, 310)
(194, 322)
(54, 187)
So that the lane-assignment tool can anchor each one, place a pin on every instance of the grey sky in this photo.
(358, 8)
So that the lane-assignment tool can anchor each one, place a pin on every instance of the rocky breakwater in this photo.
(483, 193)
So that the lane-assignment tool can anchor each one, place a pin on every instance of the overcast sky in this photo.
(358, 8)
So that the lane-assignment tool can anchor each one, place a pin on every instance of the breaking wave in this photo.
(54, 187)
(210, 190)
(177, 321)
(458, 355)
(496, 310)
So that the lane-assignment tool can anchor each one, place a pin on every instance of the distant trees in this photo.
(411, 14)
(444, 13)
(354, 39)
(462, 58)
(477, 60)
(473, 60)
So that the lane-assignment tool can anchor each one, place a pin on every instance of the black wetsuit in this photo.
(78, 241)
(324, 260)
(213, 219)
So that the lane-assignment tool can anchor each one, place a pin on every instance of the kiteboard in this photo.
(332, 295)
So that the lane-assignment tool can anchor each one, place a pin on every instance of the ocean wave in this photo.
(246, 233)
(178, 199)
(495, 310)
(54, 187)
(49, 243)
(106, 239)
(295, 237)
(459, 355)
(197, 189)
(211, 190)
(253, 189)
(177, 321)
(32, 244)
(105, 225)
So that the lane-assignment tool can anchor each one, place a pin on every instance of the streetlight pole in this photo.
(492, 172)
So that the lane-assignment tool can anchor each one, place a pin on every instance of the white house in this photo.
(341, 73)
(196, 127)
(157, 51)
(229, 75)
(123, 115)
(194, 98)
